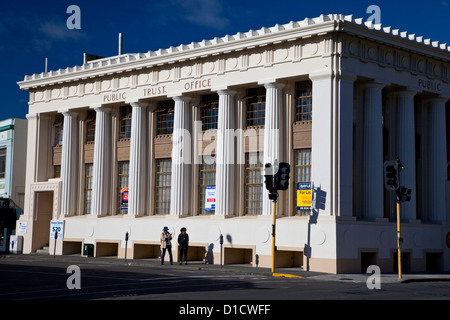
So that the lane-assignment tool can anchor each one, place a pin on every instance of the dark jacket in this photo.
(183, 240)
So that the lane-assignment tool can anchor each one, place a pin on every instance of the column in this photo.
(272, 131)
(345, 146)
(181, 158)
(437, 166)
(373, 152)
(101, 195)
(322, 142)
(138, 142)
(225, 154)
(68, 164)
(406, 149)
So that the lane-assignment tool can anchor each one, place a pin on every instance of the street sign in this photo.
(56, 226)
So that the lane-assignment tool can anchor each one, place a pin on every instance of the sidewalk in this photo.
(239, 269)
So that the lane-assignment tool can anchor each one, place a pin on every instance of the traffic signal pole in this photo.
(274, 182)
(399, 250)
(274, 219)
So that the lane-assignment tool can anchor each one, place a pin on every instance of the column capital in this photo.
(101, 108)
(277, 85)
(181, 98)
(69, 113)
(374, 85)
(407, 92)
(226, 92)
(138, 104)
(321, 75)
(438, 100)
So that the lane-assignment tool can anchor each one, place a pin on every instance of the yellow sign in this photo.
(304, 196)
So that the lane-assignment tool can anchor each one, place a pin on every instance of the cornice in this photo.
(240, 41)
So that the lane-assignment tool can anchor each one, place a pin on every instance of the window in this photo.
(207, 180)
(303, 101)
(164, 117)
(256, 106)
(89, 172)
(122, 185)
(254, 180)
(162, 185)
(90, 127)
(302, 174)
(125, 122)
(59, 125)
(209, 108)
(57, 171)
(2, 163)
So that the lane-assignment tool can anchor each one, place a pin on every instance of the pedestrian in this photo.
(183, 243)
(166, 237)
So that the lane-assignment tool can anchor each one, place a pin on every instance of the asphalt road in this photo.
(35, 278)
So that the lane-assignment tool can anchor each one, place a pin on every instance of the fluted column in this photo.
(102, 163)
(406, 149)
(137, 175)
(373, 152)
(272, 152)
(181, 158)
(437, 165)
(68, 164)
(225, 155)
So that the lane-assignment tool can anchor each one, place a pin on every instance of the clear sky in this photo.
(32, 30)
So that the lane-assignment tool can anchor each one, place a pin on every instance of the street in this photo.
(30, 277)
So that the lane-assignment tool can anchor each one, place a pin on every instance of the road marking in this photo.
(285, 275)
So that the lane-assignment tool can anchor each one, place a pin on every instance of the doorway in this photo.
(42, 216)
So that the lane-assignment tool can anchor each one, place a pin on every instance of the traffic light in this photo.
(269, 177)
(404, 194)
(282, 176)
(391, 175)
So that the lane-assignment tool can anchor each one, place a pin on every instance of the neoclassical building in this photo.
(136, 142)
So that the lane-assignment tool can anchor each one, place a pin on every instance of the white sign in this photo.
(210, 198)
(56, 226)
(22, 227)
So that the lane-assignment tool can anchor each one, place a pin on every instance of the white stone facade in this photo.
(377, 93)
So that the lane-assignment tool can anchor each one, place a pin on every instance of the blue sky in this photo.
(33, 30)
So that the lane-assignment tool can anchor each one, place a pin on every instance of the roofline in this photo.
(253, 38)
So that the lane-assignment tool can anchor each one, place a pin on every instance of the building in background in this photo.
(179, 137)
(13, 147)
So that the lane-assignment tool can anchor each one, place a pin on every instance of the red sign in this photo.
(124, 202)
